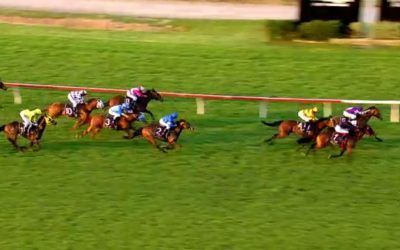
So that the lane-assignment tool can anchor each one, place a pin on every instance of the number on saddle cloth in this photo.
(339, 139)
(161, 132)
(69, 110)
(109, 122)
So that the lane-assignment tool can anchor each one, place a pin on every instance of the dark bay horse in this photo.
(98, 122)
(14, 129)
(149, 133)
(285, 128)
(2, 86)
(57, 109)
(141, 104)
(363, 128)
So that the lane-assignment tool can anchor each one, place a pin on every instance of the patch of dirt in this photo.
(86, 23)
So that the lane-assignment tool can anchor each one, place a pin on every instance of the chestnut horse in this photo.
(13, 129)
(325, 138)
(2, 86)
(141, 103)
(98, 122)
(149, 133)
(57, 109)
(285, 128)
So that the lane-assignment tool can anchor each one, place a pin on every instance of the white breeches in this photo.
(348, 115)
(75, 102)
(25, 119)
(303, 117)
(164, 124)
(114, 114)
(133, 97)
(341, 130)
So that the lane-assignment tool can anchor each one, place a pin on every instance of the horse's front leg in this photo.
(128, 133)
(150, 113)
(81, 120)
(343, 149)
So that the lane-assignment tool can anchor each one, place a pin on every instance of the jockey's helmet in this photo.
(142, 89)
(315, 109)
(37, 111)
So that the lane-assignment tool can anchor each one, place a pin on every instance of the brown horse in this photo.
(2, 86)
(98, 122)
(325, 138)
(57, 109)
(13, 129)
(150, 133)
(285, 128)
(362, 123)
(141, 104)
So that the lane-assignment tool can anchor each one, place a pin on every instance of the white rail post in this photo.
(200, 106)
(17, 96)
(327, 109)
(263, 109)
(394, 113)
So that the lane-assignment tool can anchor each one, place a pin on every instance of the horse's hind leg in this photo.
(13, 141)
(311, 148)
(270, 140)
(339, 155)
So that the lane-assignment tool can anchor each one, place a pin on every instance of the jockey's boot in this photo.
(115, 122)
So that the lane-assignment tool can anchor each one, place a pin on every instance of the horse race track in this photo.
(224, 189)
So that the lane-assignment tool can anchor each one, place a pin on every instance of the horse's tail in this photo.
(138, 132)
(272, 124)
(2, 128)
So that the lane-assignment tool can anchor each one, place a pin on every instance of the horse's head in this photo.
(95, 103)
(2, 86)
(153, 94)
(373, 112)
(325, 122)
(183, 124)
(49, 120)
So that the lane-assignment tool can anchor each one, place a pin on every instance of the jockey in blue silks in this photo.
(169, 121)
(118, 110)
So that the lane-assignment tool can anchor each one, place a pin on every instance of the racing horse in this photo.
(98, 122)
(34, 135)
(83, 110)
(2, 85)
(326, 138)
(348, 143)
(154, 132)
(141, 103)
(285, 128)
(362, 126)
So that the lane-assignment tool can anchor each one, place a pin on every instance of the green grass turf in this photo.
(224, 189)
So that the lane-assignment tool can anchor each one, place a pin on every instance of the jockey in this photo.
(30, 117)
(133, 94)
(308, 115)
(118, 110)
(344, 127)
(77, 97)
(352, 114)
(168, 121)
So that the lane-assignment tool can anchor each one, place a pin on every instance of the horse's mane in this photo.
(324, 119)
(372, 107)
